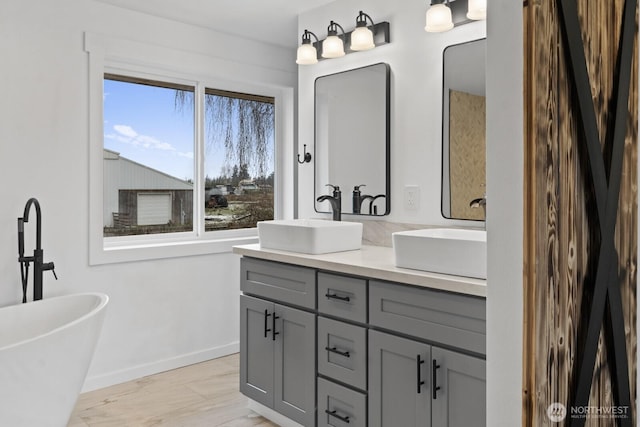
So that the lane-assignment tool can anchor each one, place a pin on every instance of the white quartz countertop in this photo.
(376, 262)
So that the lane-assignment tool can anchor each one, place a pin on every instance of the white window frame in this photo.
(129, 58)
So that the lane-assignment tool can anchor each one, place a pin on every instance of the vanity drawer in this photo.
(282, 282)
(443, 317)
(342, 352)
(342, 296)
(339, 406)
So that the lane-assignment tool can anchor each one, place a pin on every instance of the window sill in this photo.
(127, 250)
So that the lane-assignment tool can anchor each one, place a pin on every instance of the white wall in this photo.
(163, 313)
(415, 58)
(505, 183)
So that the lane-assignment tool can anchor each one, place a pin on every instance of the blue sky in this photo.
(142, 124)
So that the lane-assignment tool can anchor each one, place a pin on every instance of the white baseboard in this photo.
(105, 380)
(272, 415)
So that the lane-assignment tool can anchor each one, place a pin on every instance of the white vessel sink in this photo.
(462, 252)
(310, 236)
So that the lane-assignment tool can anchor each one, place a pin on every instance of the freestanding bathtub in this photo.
(45, 350)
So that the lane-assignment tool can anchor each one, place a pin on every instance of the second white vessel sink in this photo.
(310, 236)
(462, 252)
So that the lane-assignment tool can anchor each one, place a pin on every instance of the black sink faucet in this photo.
(373, 210)
(38, 254)
(480, 202)
(336, 201)
(359, 198)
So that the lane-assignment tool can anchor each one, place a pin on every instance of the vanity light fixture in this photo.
(477, 10)
(333, 45)
(443, 15)
(438, 18)
(307, 52)
(363, 37)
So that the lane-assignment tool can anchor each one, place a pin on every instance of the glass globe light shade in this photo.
(307, 54)
(438, 19)
(332, 47)
(362, 39)
(477, 9)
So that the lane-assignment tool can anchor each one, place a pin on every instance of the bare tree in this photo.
(243, 126)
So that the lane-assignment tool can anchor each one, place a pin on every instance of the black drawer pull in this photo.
(338, 297)
(334, 414)
(435, 386)
(273, 326)
(266, 323)
(336, 351)
(419, 382)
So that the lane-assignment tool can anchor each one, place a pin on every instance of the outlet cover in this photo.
(411, 197)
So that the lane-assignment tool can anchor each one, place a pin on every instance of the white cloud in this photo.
(125, 130)
(126, 134)
(188, 155)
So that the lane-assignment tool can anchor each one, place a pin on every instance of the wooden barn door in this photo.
(580, 246)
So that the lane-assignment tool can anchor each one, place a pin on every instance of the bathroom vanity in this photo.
(348, 339)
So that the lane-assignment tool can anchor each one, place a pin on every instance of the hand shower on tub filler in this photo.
(38, 254)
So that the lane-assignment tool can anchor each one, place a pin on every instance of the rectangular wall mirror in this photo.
(352, 139)
(463, 130)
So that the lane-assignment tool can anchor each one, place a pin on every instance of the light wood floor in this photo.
(201, 395)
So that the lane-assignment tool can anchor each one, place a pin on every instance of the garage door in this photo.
(154, 208)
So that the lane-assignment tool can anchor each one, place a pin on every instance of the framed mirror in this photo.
(463, 130)
(352, 139)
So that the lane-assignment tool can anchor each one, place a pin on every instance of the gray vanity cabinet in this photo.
(329, 349)
(399, 381)
(277, 357)
(295, 364)
(257, 350)
(443, 388)
(415, 384)
(460, 400)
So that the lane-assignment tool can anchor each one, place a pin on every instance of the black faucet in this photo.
(358, 198)
(38, 254)
(373, 210)
(480, 202)
(336, 201)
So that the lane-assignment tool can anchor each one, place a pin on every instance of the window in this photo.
(149, 145)
(183, 171)
(238, 159)
(148, 157)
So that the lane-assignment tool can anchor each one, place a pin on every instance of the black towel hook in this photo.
(307, 156)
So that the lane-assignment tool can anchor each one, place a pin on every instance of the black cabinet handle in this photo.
(435, 386)
(266, 323)
(338, 297)
(419, 382)
(334, 414)
(273, 326)
(336, 351)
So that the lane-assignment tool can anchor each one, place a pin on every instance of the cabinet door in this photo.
(399, 382)
(295, 364)
(461, 399)
(256, 349)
